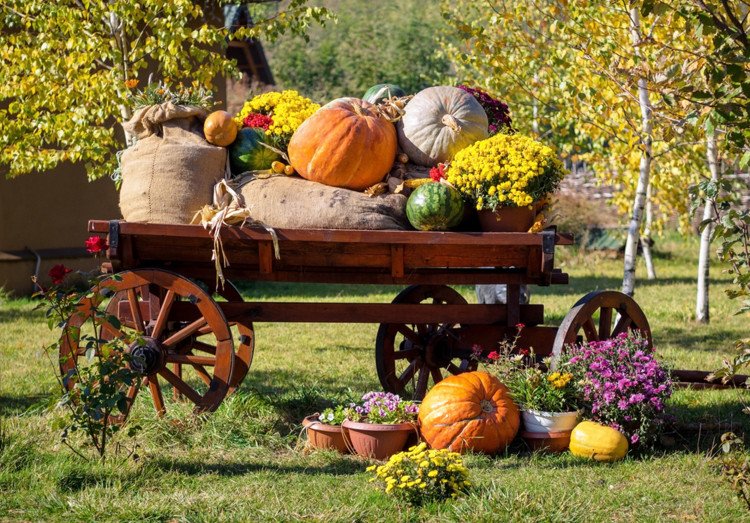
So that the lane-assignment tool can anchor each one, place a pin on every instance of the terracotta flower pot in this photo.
(375, 440)
(323, 436)
(507, 219)
(547, 441)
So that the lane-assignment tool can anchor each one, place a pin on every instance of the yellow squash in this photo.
(599, 442)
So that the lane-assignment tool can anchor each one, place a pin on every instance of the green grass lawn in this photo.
(246, 462)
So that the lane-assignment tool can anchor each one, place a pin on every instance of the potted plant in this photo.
(508, 178)
(548, 399)
(381, 425)
(621, 385)
(324, 430)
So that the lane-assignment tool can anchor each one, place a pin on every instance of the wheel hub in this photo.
(146, 356)
(438, 351)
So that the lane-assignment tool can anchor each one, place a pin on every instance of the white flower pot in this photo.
(546, 422)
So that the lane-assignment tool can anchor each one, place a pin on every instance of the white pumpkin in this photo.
(438, 122)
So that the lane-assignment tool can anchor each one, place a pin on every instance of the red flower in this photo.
(523, 352)
(438, 173)
(96, 244)
(57, 273)
(493, 356)
(520, 326)
(257, 120)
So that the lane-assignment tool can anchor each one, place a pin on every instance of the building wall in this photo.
(48, 213)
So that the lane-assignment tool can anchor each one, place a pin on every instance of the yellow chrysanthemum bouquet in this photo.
(421, 474)
(277, 114)
(505, 170)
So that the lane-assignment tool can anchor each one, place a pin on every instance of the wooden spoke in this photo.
(190, 359)
(437, 377)
(408, 373)
(622, 325)
(202, 373)
(605, 323)
(156, 395)
(180, 385)
(454, 369)
(184, 333)
(177, 369)
(205, 347)
(135, 310)
(406, 353)
(589, 328)
(409, 334)
(424, 378)
(161, 318)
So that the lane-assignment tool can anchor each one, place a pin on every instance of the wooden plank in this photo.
(397, 261)
(447, 256)
(265, 257)
(236, 272)
(540, 338)
(336, 235)
(334, 312)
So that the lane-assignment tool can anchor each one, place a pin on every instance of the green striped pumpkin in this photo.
(434, 207)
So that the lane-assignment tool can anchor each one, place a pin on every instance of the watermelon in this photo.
(248, 154)
(380, 92)
(434, 206)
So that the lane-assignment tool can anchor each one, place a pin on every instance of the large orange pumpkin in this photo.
(344, 144)
(472, 410)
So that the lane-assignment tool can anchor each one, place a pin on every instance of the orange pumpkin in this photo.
(346, 143)
(472, 410)
(220, 129)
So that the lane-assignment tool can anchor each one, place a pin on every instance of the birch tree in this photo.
(601, 66)
(66, 67)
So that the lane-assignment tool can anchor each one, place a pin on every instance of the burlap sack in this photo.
(169, 174)
(294, 203)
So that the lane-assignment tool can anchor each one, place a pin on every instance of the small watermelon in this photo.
(380, 92)
(248, 154)
(435, 206)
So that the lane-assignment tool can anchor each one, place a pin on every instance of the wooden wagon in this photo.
(163, 273)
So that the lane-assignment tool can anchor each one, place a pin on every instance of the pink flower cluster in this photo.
(385, 407)
(623, 385)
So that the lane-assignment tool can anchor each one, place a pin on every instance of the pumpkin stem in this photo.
(487, 406)
(357, 109)
(449, 121)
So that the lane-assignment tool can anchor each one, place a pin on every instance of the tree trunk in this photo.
(646, 236)
(639, 202)
(704, 255)
(535, 110)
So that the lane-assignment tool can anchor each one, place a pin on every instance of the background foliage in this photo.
(372, 43)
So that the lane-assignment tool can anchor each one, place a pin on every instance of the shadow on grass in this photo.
(15, 405)
(717, 342)
(338, 467)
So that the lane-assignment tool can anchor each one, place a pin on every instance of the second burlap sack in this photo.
(169, 174)
(293, 203)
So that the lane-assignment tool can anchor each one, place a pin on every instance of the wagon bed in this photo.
(427, 332)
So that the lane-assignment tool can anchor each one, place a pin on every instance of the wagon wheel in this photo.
(411, 356)
(600, 315)
(148, 309)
